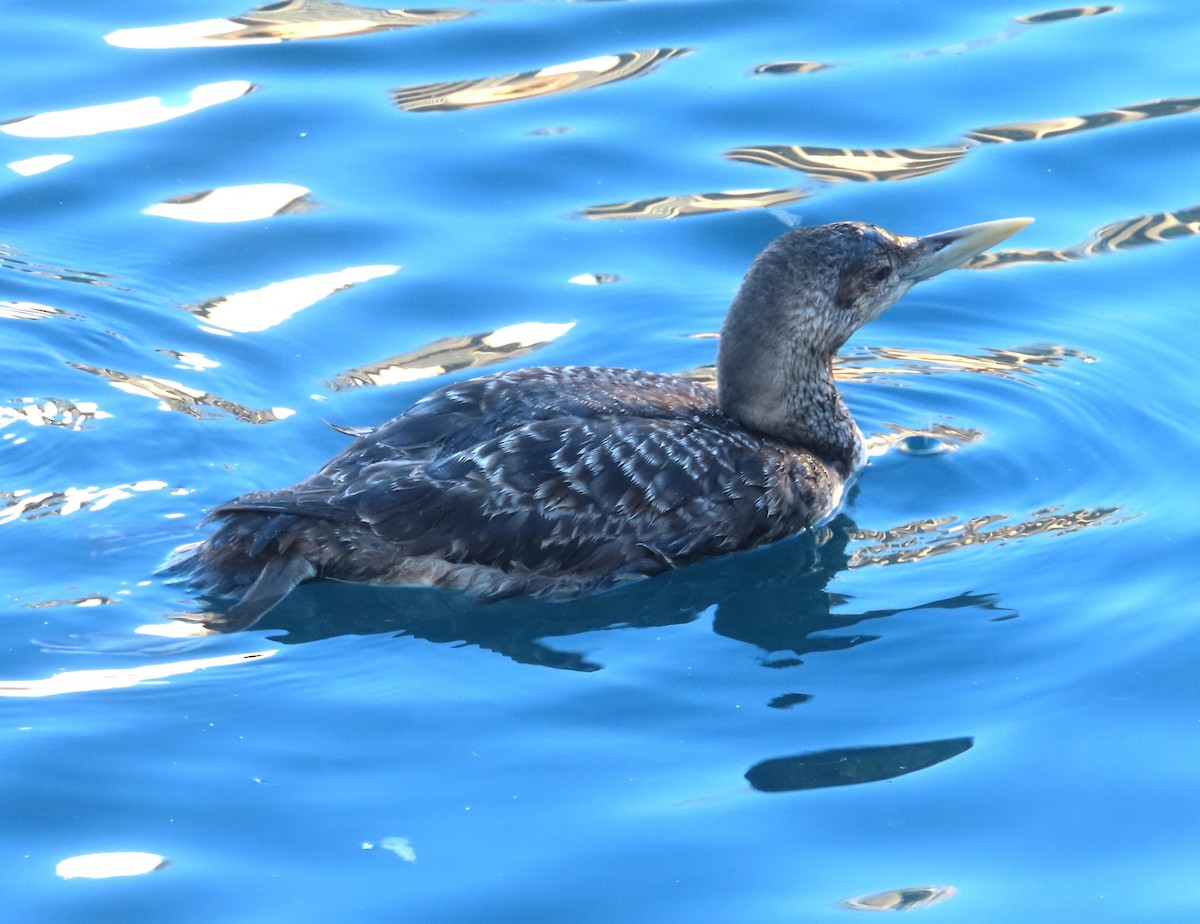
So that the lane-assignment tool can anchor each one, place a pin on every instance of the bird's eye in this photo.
(880, 274)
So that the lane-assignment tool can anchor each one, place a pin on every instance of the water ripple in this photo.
(286, 21)
(557, 78)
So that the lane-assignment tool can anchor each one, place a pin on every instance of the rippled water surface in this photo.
(973, 692)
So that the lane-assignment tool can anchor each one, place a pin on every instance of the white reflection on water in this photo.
(451, 354)
(134, 113)
(401, 847)
(175, 396)
(24, 503)
(259, 309)
(234, 203)
(52, 413)
(728, 200)
(186, 359)
(284, 21)
(115, 678)
(556, 78)
(28, 311)
(107, 865)
(594, 279)
(31, 166)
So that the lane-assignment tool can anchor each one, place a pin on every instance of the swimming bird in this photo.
(560, 481)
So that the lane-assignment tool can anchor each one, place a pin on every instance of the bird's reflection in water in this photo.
(850, 766)
(775, 598)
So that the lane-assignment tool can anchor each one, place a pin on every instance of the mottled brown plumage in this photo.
(561, 481)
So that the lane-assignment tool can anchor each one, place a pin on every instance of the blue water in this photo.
(980, 677)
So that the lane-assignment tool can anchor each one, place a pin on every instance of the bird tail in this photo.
(239, 562)
(278, 578)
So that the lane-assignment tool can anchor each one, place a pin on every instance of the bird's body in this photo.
(552, 481)
(561, 481)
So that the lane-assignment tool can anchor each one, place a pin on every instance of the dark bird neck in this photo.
(772, 379)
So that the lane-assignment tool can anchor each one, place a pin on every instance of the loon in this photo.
(560, 481)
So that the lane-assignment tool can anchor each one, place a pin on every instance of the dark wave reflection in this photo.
(1017, 364)
(867, 364)
(923, 441)
(12, 259)
(175, 396)
(900, 899)
(695, 204)
(1042, 129)
(53, 412)
(557, 78)
(925, 538)
(850, 766)
(1139, 231)
(792, 67)
(888, 164)
(1017, 27)
(285, 21)
(450, 354)
(1070, 12)
(834, 165)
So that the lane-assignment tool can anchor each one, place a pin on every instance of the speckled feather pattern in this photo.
(547, 481)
